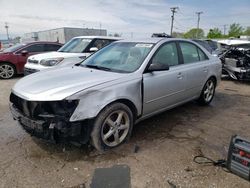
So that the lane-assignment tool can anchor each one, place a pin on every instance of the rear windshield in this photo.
(14, 48)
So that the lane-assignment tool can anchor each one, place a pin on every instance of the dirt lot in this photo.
(167, 144)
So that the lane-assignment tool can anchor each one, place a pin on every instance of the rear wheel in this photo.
(207, 93)
(7, 71)
(112, 127)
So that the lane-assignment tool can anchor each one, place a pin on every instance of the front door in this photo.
(163, 89)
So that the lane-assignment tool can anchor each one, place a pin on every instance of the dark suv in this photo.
(12, 59)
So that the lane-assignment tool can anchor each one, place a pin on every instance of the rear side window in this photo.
(202, 55)
(35, 48)
(51, 47)
(191, 53)
(167, 54)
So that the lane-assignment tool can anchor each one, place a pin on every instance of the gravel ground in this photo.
(167, 144)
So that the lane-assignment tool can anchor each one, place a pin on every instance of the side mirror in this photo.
(24, 52)
(93, 49)
(158, 67)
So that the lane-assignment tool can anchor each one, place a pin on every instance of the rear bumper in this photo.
(52, 129)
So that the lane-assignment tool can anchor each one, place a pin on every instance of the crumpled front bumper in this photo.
(52, 129)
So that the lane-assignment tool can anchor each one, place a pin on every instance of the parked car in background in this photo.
(228, 43)
(104, 96)
(12, 59)
(204, 44)
(71, 53)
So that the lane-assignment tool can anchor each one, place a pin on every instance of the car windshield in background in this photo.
(123, 57)
(76, 45)
(14, 48)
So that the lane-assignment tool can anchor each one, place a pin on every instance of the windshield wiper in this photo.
(98, 67)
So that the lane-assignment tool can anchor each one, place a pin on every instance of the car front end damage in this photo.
(49, 120)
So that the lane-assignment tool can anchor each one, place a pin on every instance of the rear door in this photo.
(195, 65)
(163, 89)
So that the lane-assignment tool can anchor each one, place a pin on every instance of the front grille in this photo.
(28, 71)
(27, 108)
(33, 61)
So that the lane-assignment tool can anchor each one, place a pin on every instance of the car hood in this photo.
(57, 84)
(56, 55)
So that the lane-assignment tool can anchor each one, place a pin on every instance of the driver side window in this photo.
(166, 55)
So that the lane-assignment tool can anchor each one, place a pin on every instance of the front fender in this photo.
(91, 102)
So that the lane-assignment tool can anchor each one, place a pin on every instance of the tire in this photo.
(112, 127)
(7, 71)
(207, 93)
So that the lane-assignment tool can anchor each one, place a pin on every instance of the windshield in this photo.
(119, 57)
(14, 48)
(76, 45)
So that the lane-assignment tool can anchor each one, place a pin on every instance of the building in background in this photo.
(62, 35)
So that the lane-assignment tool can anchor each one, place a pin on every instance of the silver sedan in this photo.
(100, 99)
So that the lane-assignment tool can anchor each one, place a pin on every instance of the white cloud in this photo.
(140, 17)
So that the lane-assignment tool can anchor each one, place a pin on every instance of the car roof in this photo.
(41, 42)
(154, 40)
(99, 37)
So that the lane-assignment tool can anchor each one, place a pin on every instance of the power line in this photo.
(173, 10)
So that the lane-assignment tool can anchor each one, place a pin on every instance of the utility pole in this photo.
(198, 23)
(100, 28)
(224, 28)
(7, 31)
(173, 10)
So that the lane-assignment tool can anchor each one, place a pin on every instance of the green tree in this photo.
(214, 33)
(194, 33)
(247, 31)
(178, 34)
(235, 30)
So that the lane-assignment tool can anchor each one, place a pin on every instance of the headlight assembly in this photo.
(51, 62)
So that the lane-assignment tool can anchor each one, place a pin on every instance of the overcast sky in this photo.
(140, 17)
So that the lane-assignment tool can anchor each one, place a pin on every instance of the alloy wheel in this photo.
(6, 71)
(209, 91)
(115, 128)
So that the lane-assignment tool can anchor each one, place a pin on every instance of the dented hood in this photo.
(57, 84)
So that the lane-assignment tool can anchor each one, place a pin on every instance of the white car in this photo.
(72, 52)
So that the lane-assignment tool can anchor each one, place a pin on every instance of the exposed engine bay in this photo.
(236, 63)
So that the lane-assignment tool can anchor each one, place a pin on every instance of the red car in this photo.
(12, 59)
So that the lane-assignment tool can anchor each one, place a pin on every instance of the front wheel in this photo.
(112, 127)
(207, 93)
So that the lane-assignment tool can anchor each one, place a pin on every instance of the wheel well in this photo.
(213, 78)
(129, 104)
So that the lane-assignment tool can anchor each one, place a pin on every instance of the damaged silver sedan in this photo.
(100, 99)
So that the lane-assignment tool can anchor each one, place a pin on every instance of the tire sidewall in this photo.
(96, 139)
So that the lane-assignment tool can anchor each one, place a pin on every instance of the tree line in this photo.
(235, 30)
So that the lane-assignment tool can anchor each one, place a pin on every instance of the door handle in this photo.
(179, 75)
